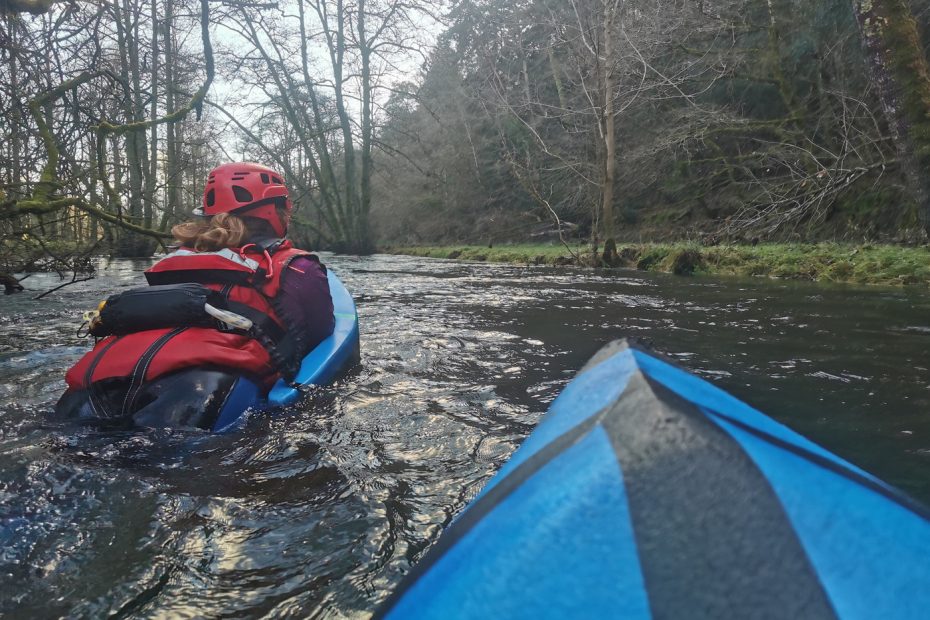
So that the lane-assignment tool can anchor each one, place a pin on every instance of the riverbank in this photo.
(827, 262)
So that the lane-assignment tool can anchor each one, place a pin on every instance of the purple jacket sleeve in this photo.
(304, 300)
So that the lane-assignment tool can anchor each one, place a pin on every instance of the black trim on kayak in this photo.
(485, 504)
(713, 538)
(890, 493)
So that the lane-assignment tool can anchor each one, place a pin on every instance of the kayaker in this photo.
(178, 374)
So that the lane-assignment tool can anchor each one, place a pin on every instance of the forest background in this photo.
(412, 122)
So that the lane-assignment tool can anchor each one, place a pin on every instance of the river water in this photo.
(319, 510)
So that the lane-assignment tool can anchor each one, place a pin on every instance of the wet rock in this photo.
(10, 284)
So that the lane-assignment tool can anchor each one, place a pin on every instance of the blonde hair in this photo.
(223, 230)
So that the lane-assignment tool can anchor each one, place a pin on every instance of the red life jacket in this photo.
(249, 278)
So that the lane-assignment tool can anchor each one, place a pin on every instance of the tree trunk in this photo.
(557, 78)
(172, 177)
(95, 198)
(49, 227)
(900, 70)
(337, 54)
(773, 55)
(151, 178)
(115, 202)
(16, 149)
(610, 140)
(363, 231)
(129, 54)
(324, 172)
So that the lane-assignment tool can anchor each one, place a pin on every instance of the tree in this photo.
(72, 70)
(901, 72)
(321, 68)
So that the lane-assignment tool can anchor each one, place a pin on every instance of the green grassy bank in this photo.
(828, 262)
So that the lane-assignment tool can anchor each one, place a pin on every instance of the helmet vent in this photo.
(211, 198)
(241, 194)
(277, 180)
(265, 179)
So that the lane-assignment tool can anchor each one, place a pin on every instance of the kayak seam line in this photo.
(890, 493)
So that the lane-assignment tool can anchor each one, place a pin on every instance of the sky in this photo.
(243, 99)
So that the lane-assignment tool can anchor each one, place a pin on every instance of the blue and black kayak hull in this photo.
(646, 492)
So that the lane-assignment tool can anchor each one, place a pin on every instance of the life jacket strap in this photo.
(270, 245)
(259, 319)
(97, 404)
(137, 379)
(281, 344)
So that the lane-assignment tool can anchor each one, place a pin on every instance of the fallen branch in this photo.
(74, 280)
(14, 208)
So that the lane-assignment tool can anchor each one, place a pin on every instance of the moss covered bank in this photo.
(828, 262)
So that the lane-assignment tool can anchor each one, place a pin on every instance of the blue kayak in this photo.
(646, 492)
(319, 367)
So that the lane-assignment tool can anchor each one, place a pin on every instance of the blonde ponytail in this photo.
(223, 230)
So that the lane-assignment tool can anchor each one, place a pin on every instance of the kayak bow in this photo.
(646, 492)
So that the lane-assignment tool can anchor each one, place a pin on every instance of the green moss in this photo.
(652, 258)
(868, 264)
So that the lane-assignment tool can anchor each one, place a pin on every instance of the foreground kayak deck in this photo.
(646, 492)
(319, 367)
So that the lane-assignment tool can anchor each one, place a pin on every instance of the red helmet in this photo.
(246, 189)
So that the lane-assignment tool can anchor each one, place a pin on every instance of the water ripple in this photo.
(319, 510)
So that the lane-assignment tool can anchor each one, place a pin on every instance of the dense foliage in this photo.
(721, 119)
